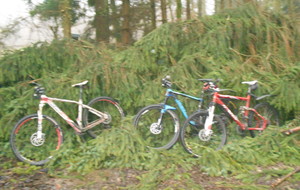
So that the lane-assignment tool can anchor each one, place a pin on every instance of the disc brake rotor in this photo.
(35, 141)
(155, 128)
(205, 135)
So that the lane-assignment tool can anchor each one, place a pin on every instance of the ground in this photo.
(110, 179)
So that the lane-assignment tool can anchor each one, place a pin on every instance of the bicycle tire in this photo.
(163, 138)
(106, 105)
(27, 148)
(267, 111)
(191, 138)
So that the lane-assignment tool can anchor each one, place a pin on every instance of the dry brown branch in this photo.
(279, 181)
(290, 131)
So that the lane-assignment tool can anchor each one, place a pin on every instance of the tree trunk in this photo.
(115, 21)
(163, 5)
(219, 5)
(178, 9)
(230, 5)
(101, 21)
(153, 14)
(188, 9)
(126, 33)
(170, 8)
(200, 7)
(65, 10)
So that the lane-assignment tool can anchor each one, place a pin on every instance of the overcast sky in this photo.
(11, 9)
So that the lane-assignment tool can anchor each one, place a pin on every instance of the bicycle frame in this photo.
(217, 100)
(78, 127)
(172, 93)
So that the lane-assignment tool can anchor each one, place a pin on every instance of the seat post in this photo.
(249, 89)
(80, 93)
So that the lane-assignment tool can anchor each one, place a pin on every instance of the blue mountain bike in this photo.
(158, 124)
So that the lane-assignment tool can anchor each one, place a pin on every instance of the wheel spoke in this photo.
(155, 134)
(32, 148)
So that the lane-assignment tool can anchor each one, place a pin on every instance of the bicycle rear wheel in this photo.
(268, 112)
(162, 136)
(26, 145)
(106, 105)
(194, 138)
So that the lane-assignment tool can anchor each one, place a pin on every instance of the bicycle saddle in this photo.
(250, 82)
(80, 84)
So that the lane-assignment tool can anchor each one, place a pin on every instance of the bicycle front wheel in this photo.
(26, 144)
(155, 135)
(193, 136)
(106, 105)
(268, 112)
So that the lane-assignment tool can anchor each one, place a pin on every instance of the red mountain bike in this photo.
(205, 128)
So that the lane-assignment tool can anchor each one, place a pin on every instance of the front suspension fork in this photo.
(40, 119)
(209, 119)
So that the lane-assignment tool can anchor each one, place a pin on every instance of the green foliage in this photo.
(23, 169)
(50, 10)
(123, 148)
(239, 45)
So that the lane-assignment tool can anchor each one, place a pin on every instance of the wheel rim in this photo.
(267, 112)
(112, 109)
(154, 135)
(31, 149)
(195, 138)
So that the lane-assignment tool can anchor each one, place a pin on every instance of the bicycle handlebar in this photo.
(166, 82)
(38, 90)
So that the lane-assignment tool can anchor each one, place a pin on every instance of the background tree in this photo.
(102, 21)
(201, 7)
(153, 14)
(65, 11)
(126, 30)
(115, 21)
(219, 5)
(178, 9)
(188, 9)
(58, 14)
(163, 6)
